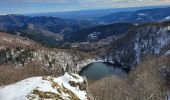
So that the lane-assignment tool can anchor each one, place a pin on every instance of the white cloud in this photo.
(122, 3)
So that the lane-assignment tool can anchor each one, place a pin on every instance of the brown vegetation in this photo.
(13, 41)
(149, 81)
(10, 74)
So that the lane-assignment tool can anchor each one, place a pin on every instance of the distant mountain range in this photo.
(46, 30)
(53, 24)
(54, 31)
(119, 23)
(90, 14)
(140, 16)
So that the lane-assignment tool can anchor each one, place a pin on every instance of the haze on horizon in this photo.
(37, 6)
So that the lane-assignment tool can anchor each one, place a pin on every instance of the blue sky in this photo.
(34, 6)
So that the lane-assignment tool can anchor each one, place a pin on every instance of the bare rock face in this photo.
(83, 86)
(67, 87)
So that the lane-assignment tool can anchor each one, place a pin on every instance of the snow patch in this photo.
(168, 95)
(167, 18)
(141, 14)
(94, 35)
(137, 49)
(24, 90)
(167, 53)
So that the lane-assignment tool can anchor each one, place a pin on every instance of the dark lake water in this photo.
(99, 70)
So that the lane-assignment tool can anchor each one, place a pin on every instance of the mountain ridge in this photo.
(139, 16)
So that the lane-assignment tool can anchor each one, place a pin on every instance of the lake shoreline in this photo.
(98, 70)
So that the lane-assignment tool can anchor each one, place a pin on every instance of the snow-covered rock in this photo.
(168, 95)
(167, 53)
(167, 18)
(93, 35)
(67, 87)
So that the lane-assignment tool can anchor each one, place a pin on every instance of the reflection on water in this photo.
(98, 70)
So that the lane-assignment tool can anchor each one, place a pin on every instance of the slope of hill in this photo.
(145, 39)
(46, 30)
(13, 41)
(53, 24)
(19, 52)
(99, 32)
(67, 87)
